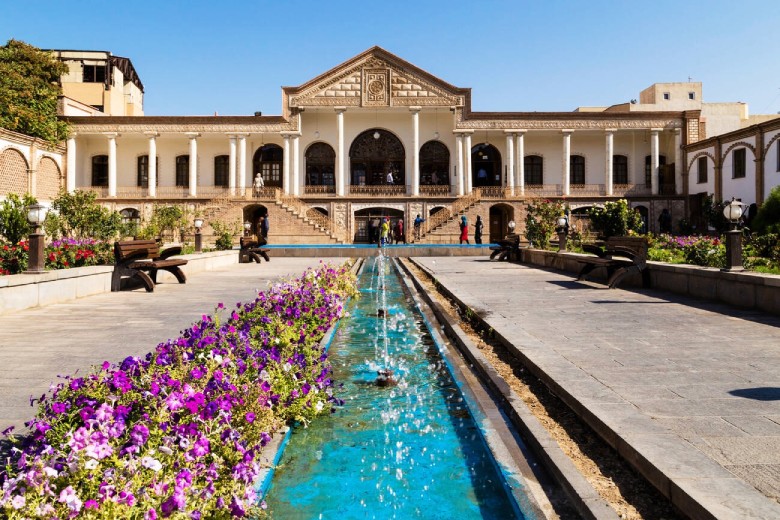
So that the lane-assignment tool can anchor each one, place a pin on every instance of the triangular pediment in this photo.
(374, 79)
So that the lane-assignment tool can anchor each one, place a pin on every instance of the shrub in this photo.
(13, 258)
(181, 431)
(768, 217)
(540, 222)
(13, 217)
(224, 233)
(79, 216)
(615, 219)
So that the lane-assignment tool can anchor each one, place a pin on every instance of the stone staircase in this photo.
(313, 221)
(443, 227)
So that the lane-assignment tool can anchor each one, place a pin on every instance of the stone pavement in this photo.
(38, 344)
(688, 391)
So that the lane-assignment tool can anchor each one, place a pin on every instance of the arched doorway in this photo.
(500, 215)
(434, 164)
(269, 161)
(366, 231)
(645, 214)
(372, 155)
(320, 168)
(485, 165)
(252, 215)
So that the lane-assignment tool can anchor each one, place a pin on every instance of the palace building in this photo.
(378, 136)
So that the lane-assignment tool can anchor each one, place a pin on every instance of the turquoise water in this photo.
(405, 451)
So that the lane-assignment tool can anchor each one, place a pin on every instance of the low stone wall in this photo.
(22, 291)
(367, 251)
(742, 289)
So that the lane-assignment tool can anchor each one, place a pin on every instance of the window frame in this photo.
(530, 165)
(222, 171)
(619, 168)
(577, 167)
(182, 171)
(739, 163)
(100, 171)
(702, 170)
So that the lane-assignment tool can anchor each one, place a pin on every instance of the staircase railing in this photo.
(303, 210)
(458, 206)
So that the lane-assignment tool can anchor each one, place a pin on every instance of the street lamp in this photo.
(198, 236)
(733, 211)
(36, 214)
(562, 224)
(511, 226)
(247, 225)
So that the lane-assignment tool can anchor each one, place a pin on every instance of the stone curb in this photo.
(583, 496)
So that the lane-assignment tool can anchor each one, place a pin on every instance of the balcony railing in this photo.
(319, 190)
(494, 192)
(382, 191)
(541, 190)
(586, 190)
(621, 190)
(434, 190)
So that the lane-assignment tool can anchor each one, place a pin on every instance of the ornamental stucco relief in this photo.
(183, 128)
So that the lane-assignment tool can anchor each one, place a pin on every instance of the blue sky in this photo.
(232, 57)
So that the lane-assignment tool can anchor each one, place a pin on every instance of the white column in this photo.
(416, 150)
(609, 167)
(286, 166)
(678, 162)
(340, 162)
(566, 161)
(193, 163)
(152, 164)
(467, 176)
(461, 169)
(241, 168)
(70, 180)
(296, 177)
(112, 164)
(654, 160)
(510, 162)
(232, 165)
(520, 142)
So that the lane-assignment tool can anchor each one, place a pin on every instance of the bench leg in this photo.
(116, 279)
(585, 271)
(617, 275)
(495, 254)
(255, 257)
(146, 280)
(265, 255)
(178, 273)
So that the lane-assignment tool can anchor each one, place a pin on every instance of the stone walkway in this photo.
(688, 390)
(36, 345)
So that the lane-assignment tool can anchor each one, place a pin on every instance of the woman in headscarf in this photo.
(464, 230)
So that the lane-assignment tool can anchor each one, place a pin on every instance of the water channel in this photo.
(405, 450)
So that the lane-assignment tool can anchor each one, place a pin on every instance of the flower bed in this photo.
(695, 250)
(179, 432)
(59, 254)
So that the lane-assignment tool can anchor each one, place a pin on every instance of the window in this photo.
(533, 170)
(738, 163)
(143, 172)
(269, 161)
(100, 170)
(94, 74)
(648, 167)
(702, 167)
(320, 165)
(434, 163)
(691, 95)
(619, 169)
(221, 170)
(577, 169)
(183, 171)
(667, 96)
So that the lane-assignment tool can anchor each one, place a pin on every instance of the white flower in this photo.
(287, 367)
(91, 464)
(18, 502)
(319, 406)
(166, 450)
(151, 463)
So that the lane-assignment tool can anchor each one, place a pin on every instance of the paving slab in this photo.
(39, 344)
(687, 390)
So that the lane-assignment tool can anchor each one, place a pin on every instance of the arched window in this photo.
(619, 169)
(374, 154)
(13, 172)
(100, 170)
(534, 175)
(485, 165)
(434, 163)
(221, 170)
(577, 169)
(143, 172)
(320, 165)
(183, 171)
(269, 161)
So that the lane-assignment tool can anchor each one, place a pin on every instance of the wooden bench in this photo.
(620, 256)
(507, 248)
(134, 258)
(251, 250)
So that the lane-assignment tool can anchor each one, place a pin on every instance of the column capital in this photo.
(192, 135)
(151, 134)
(287, 135)
(111, 135)
(72, 135)
(415, 109)
(610, 130)
(463, 132)
(515, 131)
(567, 131)
(656, 130)
(340, 109)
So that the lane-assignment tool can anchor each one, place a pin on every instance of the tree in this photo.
(79, 216)
(13, 217)
(615, 219)
(540, 222)
(29, 88)
(768, 218)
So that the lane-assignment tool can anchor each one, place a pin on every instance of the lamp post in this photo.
(247, 225)
(198, 236)
(36, 214)
(562, 224)
(511, 225)
(732, 212)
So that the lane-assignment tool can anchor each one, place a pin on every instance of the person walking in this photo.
(418, 227)
(478, 225)
(385, 232)
(464, 230)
